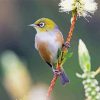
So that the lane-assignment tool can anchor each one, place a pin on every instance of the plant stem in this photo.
(69, 37)
(52, 85)
(65, 48)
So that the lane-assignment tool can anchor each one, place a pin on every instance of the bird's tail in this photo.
(63, 77)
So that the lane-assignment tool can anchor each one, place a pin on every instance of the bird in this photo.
(48, 40)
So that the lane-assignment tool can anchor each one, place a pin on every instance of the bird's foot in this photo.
(56, 72)
(66, 44)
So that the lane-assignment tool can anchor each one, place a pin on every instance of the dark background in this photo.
(15, 35)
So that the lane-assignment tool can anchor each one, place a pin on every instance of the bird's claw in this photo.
(57, 72)
(66, 44)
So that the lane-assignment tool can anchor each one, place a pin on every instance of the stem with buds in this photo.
(64, 49)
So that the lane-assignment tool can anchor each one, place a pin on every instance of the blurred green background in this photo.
(16, 36)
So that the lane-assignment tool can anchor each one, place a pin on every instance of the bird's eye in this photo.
(41, 24)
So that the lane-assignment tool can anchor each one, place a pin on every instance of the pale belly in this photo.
(47, 47)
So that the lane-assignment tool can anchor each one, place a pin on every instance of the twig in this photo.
(52, 85)
(71, 29)
(65, 48)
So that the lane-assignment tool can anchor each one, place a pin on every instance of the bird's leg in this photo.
(56, 72)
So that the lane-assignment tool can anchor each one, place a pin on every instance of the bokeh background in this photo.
(22, 69)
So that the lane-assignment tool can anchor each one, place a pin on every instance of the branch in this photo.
(52, 85)
(71, 29)
(65, 48)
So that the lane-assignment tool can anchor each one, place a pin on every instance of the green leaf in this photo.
(67, 56)
(58, 53)
(84, 57)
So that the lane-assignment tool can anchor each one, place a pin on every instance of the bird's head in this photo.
(43, 25)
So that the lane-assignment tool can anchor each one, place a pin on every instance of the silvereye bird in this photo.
(48, 40)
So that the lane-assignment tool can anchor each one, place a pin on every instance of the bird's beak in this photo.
(32, 25)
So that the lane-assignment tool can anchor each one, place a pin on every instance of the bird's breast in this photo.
(48, 45)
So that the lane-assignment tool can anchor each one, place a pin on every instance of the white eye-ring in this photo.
(41, 24)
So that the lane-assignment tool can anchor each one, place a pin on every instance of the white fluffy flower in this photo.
(83, 7)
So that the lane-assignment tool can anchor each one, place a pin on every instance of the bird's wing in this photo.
(59, 38)
(43, 51)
